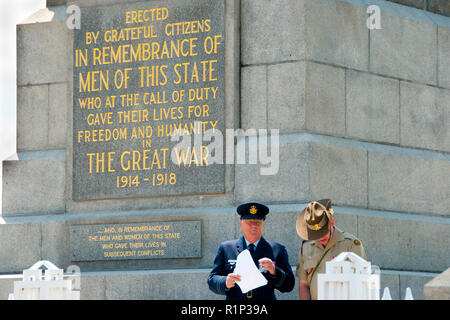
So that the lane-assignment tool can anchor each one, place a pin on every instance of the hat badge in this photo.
(253, 210)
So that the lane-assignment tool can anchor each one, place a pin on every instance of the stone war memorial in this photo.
(142, 125)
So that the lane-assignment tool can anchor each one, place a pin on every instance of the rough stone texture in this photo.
(286, 96)
(41, 117)
(42, 52)
(439, 287)
(290, 183)
(392, 281)
(307, 96)
(55, 243)
(33, 186)
(404, 48)
(24, 240)
(186, 201)
(57, 115)
(402, 244)
(415, 282)
(271, 31)
(336, 33)
(92, 286)
(425, 116)
(232, 72)
(349, 170)
(279, 227)
(444, 57)
(408, 184)
(155, 285)
(32, 117)
(372, 107)
(254, 97)
(325, 99)
(7, 285)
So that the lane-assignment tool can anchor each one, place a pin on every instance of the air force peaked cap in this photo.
(252, 210)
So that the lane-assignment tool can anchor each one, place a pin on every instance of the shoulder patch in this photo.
(298, 266)
(357, 242)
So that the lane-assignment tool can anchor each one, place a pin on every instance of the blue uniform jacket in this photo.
(283, 280)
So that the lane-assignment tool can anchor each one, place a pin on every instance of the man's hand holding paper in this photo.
(251, 277)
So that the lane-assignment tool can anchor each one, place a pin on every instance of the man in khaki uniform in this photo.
(322, 242)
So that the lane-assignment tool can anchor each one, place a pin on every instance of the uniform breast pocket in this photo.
(309, 264)
(229, 266)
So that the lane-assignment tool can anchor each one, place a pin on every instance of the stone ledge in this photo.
(184, 284)
(375, 176)
(96, 3)
(397, 282)
(43, 52)
(48, 238)
(34, 184)
(400, 9)
(383, 248)
(137, 215)
(404, 48)
(439, 287)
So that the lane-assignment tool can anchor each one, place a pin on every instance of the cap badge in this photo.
(253, 210)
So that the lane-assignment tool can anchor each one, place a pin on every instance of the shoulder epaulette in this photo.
(348, 236)
(352, 238)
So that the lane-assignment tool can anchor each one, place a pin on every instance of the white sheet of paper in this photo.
(251, 277)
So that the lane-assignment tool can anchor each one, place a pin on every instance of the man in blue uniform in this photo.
(271, 257)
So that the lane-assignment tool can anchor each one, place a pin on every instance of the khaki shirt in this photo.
(312, 251)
